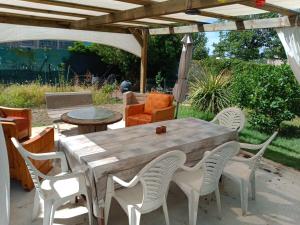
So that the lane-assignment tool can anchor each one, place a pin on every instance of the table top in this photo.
(124, 152)
(91, 116)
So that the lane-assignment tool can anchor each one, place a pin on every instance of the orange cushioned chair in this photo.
(21, 118)
(42, 143)
(157, 107)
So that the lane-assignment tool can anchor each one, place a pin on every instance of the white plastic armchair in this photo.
(242, 170)
(203, 178)
(53, 191)
(232, 118)
(147, 191)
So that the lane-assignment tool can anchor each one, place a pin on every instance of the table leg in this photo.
(101, 217)
(85, 129)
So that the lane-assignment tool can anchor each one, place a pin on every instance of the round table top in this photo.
(91, 116)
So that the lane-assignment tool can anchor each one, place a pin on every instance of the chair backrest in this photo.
(213, 164)
(255, 160)
(157, 100)
(4, 181)
(156, 176)
(34, 173)
(232, 118)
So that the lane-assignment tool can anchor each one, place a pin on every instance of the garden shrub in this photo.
(270, 92)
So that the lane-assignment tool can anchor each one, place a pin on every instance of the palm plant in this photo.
(210, 92)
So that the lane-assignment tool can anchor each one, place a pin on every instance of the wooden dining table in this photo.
(123, 152)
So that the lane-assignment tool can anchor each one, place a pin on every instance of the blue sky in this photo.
(213, 37)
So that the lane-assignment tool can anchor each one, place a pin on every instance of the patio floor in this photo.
(278, 202)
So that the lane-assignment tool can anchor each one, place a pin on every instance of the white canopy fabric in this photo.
(4, 182)
(126, 42)
(290, 38)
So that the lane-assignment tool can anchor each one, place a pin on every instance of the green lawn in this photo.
(284, 149)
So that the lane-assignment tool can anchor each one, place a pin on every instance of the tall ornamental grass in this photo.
(209, 92)
(33, 95)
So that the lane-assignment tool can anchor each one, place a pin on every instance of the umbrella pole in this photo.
(177, 108)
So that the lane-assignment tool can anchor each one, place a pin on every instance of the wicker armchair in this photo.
(22, 118)
(42, 143)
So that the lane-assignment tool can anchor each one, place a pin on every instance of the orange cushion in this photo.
(157, 101)
(138, 119)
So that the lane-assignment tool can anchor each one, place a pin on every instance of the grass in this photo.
(33, 95)
(285, 149)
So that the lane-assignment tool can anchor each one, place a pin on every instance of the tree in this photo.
(200, 50)
(250, 44)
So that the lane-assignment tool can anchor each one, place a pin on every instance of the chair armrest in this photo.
(163, 114)
(65, 176)
(214, 120)
(198, 166)
(9, 128)
(250, 146)
(52, 155)
(7, 119)
(123, 183)
(134, 109)
(127, 98)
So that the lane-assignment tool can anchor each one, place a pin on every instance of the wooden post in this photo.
(144, 61)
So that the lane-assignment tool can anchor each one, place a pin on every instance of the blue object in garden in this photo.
(125, 86)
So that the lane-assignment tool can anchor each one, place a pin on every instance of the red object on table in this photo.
(260, 3)
(164, 129)
(159, 130)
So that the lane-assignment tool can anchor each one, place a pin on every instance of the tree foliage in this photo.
(250, 44)
(200, 50)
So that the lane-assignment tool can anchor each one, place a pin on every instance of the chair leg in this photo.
(36, 205)
(244, 197)
(107, 208)
(48, 213)
(134, 217)
(193, 199)
(253, 191)
(218, 199)
(165, 208)
(89, 207)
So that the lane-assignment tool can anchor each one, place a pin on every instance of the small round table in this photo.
(91, 119)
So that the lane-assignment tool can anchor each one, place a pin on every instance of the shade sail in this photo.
(290, 39)
(126, 42)
(4, 182)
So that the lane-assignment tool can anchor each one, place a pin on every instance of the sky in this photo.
(213, 37)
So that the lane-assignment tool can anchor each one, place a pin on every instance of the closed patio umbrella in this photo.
(181, 87)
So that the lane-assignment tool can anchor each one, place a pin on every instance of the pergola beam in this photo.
(36, 10)
(73, 5)
(152, 10)
(17, 19)
(273, 8)
(218, 16)
(230, 26)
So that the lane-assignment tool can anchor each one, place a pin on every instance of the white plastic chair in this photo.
(147, 191)
(242, 170)
(203, 178)
(232, 118)
(53, 191)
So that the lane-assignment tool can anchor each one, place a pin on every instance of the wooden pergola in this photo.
(142, 18)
